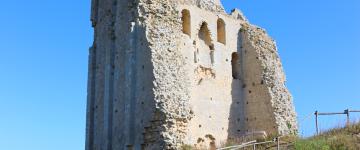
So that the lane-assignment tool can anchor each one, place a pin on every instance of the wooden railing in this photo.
(346, 112)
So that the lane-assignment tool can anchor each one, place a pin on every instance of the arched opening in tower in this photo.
(236, 68)
(221, 32)
(186, 22)
(204, 34)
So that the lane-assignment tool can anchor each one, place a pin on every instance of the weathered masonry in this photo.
(163, 73)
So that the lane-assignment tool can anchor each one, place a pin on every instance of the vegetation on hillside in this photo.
(347, 138)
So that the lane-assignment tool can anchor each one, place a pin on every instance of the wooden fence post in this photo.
(347, 112)
(316, 122)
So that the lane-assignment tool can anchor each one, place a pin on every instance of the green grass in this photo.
(347, 138)
(316, 144)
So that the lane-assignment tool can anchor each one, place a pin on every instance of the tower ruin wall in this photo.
(158, 80)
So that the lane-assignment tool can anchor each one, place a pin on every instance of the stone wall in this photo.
(120, 88)
(153, 86)
(265, 80)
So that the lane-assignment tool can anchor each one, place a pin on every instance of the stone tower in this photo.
(163, 73)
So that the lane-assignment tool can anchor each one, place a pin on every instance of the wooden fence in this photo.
(253, 144)
(345, 112)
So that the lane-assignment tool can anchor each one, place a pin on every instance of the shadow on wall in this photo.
(237, 119)
(144, 95)
(137, 79)
(251, 111)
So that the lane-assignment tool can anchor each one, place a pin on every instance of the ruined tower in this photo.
(163, 73)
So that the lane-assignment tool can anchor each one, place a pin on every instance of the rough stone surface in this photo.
(163, 73)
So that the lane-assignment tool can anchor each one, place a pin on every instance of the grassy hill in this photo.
(347, 138)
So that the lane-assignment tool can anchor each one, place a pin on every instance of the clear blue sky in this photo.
(43, 61)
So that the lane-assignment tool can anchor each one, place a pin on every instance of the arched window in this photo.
(221, 33)
(204, 34)
(186, 21)
(235, 63)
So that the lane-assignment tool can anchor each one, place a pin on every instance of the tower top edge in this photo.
(213, 5)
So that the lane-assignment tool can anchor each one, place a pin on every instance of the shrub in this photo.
(316, 144)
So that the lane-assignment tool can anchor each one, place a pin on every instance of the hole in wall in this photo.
(221, 33)
(195, 57)
(212, 47)
(204, 34)
(191, 112)
(244, 86)
(199, 140)
(212, 57)
(235, 63)
(186, 21)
